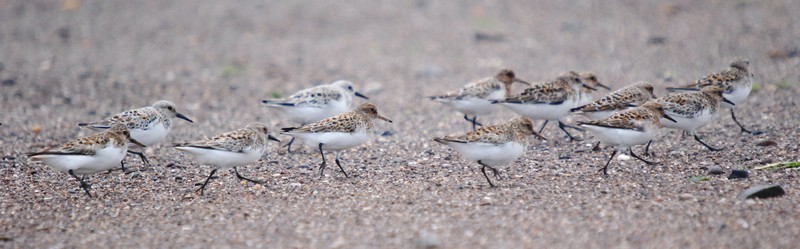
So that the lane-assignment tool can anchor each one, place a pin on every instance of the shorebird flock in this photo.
(621, 119)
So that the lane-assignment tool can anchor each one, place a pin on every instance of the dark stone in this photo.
(9, 82)
(762, 191)
(484, 37)
(767, 143)
(656, 40)
(387, 133)
(739, 174)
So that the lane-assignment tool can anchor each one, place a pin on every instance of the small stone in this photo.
(715, 170)
(685, 196)
(9, 82)
(762, 191)
(739, 174)
(623, 157)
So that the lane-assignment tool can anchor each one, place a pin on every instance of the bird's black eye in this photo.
(350, 87)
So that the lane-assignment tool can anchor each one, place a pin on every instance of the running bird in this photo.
(338, 133)
(88, 155)
(493, 145)
(230, 149)
(475, 97)
(737, 82)
(314, 104)
(549, 100)
(622, 99)
(148, 125)
(693, 110)
(628, 128)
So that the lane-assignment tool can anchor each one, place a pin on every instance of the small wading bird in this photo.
(316, 103)
(148, 125)
(230, 149)
(475, 98)
(338, 133)
(88, 155)
(628, 128)
(495, 145)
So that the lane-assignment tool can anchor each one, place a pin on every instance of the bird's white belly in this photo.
(490, 154)
(472, 106)
(333, 141)
(688, 124)
(308, 114)
(155, 132)
(737, 96)
(622, 138)
(223, 159)
(542, 111)
(103, 160)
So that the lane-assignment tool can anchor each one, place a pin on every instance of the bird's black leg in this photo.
(647, 148)
(473, 120)
(245, 178)
(289, 145)
(84, 185)
(202, 188)
(742, 126)
(324, 163)
(605, 168)
(596, 146)
(562, 126)
(483, 169)
(340, 165)
(637, 157)
(706, 145)
(543, 125)
(141, 155)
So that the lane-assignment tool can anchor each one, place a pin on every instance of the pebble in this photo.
(739, 174)
(762, 191)
(715, 170)
(685, 196)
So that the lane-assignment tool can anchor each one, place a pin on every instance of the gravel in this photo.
(76, 61)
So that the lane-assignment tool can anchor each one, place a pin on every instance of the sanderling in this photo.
(693, 110)
(148, 125)
(230, 149)
(737, 82)
(624, 98)
(88, 155)
(495, 145)
(548, 101)
(628, 128)
(475, 97)
(316, 103)
(338, 133)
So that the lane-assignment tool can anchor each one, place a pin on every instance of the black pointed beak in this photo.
(589, 87)
(603, 86)
(521, 82)
(358, 94)
(728, 101)
(270, 137)
(669, 118)
(183, 117)
(136, 142)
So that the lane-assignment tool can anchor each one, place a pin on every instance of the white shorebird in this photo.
(314, 104)
(548, 101)
(88, 155)
(737, 82)
(230, 149)
(338, 133)
(475, 98)
(148, 125)
(693, 110)
(628, 128)
(495, 145)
